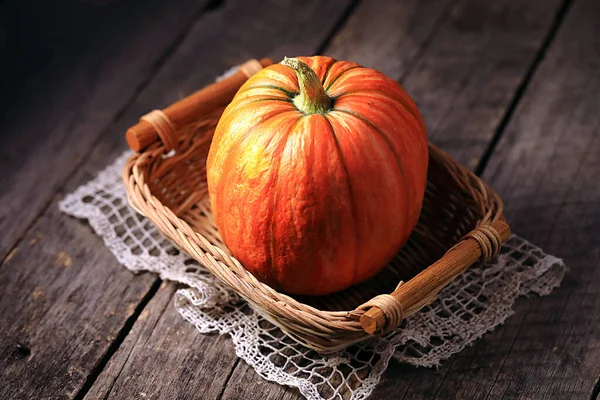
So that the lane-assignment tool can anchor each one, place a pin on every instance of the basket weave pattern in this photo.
(456, 225)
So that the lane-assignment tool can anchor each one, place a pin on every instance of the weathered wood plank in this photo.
(475, 68)
(60, 277)
(179, 363)
(63, 298)
(546, 168)
(70, 316)
(69, 95)
(467, 70)
(463, 78)
(389, 35)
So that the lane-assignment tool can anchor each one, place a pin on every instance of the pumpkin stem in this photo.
(312, 98)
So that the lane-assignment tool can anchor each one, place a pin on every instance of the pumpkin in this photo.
(316, 174)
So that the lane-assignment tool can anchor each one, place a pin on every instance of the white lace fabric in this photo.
(473, 304)
(476, 302)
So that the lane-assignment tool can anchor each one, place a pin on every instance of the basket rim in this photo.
(283, 310)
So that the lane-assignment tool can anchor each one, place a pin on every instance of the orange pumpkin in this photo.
(317, 173)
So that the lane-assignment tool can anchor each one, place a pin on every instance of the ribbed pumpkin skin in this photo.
(312, 204)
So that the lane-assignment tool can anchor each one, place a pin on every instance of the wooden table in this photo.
(511, 88)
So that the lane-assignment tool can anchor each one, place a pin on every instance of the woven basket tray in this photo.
(461, 223)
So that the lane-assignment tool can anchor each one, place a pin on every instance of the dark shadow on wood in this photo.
(213, 5)
(338, 26)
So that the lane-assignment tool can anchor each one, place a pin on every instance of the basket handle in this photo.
(385, 312)
(158, 124)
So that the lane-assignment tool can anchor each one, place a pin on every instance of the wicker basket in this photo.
(461, 223)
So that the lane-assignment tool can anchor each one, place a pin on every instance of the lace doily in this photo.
(473, 304)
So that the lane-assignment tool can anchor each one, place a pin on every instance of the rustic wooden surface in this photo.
(509, 87)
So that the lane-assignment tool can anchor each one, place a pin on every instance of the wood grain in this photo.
(389, 36)
(60, 108)
(546, 168)
(180, 362)
(63, 300)
(465, 71)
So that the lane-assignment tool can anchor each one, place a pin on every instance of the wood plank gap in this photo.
(13, 249)
(161, 61)
(596, 390)
(229, 375)
(114, 346)
(338, 26)
(522, 88)
(560, 17)
(428, 40)
(109, 391)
